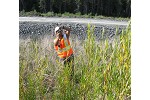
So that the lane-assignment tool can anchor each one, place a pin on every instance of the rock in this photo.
(37, 29)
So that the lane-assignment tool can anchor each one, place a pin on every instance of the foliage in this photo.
(31, 13)
(102, 70)
(113, 8)
(48, 14)
(68, 15)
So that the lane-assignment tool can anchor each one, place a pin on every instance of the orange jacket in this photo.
(65, 49)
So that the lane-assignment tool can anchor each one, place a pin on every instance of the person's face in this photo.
(59, 33)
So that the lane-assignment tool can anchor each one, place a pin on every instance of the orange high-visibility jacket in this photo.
(65, 49)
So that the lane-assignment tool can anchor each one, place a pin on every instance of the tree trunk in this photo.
(85, 7)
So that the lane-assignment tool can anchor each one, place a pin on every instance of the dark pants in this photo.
(69, 62)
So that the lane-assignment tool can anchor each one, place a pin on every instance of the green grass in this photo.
(102, 70)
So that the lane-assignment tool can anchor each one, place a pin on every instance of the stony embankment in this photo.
(78, 30)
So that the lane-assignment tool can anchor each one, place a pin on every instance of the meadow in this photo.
(102, 69)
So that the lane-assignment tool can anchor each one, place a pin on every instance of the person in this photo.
(63, 47)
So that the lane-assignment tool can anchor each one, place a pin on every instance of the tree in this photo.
(42, 6)
(115, 8)
(128, 8)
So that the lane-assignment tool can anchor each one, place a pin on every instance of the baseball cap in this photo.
(56, 29)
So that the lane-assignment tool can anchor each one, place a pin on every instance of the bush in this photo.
(31, 13)
(78, 14)
(67, 14)
(48, 14)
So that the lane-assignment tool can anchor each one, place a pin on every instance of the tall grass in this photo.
(102, 70)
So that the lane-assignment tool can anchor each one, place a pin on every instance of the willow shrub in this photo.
(102, 70)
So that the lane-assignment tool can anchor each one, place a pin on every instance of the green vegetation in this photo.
(102, 70)
(67, 15)
(113, 8)
(31, 13)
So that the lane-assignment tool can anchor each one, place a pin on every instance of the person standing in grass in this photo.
(63, 47)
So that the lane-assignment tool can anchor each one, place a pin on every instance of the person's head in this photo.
(58, 31)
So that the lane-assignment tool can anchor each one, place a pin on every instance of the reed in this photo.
(102, 69)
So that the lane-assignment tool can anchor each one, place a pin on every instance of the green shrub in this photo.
(22, 13)
(48, 14)
(31, 13)
(67, 14)
(78, 14)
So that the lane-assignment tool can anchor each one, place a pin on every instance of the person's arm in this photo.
(67, 31)
(56, 41)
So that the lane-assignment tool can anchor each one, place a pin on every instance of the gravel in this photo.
(40, 27)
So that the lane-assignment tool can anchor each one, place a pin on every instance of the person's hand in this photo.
(57, 35)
